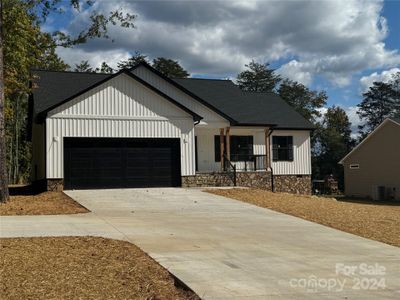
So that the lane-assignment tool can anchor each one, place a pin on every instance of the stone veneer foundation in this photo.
(261, 180)
(55, 185)
(294, 184)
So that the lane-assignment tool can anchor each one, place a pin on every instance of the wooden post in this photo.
(228, 143)
(267, 150)
(222, 144)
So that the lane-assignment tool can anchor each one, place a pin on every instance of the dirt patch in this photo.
(47, 203)
(377, 221)
(82, 268)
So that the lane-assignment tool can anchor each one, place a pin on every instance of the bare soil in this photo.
(374, 220)
(82, 268)
(47, 203)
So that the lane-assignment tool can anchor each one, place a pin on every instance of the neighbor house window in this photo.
(241, 147)
(282, 148)
(354, 166)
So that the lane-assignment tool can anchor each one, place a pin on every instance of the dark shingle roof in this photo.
(244, 108)
(54, 87)
(247, 108)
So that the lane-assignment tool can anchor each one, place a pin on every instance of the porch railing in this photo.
(249, 162)
(230, 169)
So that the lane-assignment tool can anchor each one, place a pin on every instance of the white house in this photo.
(138, 128)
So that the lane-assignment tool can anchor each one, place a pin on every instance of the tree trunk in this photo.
(3, 168)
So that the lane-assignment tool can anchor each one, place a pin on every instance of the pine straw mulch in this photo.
(373, 220)
(82, 268)
(47, 203)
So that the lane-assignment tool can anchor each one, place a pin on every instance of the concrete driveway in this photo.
(226, 249)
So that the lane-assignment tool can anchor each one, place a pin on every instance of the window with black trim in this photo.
(282, 148)
(241, 147)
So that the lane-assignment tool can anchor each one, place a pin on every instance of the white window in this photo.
(354, 166)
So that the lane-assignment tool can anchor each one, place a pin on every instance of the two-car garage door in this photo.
(119, 163)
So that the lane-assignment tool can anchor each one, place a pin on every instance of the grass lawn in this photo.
(82, 268)
(373, 220)
(47, 203)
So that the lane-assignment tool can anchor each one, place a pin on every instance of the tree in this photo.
(84, 66)
(24, 46)
(258, 78)
(105, 68)
(380, 101)
(304, 100)
(3, 170)
(170, 68)
(332, 142)
(132, 61)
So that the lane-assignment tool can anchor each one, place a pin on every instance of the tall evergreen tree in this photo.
(332, 142)
(258, 78)
(132, 61)
(105, 68)
(379, 102)
(170, 68)
(84, 66)
(304, 100)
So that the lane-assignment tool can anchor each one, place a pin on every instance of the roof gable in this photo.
(369, 136)
(47, 97)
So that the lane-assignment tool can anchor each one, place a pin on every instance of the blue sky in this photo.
(340, 46)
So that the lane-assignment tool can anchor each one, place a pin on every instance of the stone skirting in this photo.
(294, 184)
(55, 185)
(261, 180)
(207, 179)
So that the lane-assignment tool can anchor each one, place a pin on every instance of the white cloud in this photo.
(351, 112)
(333, 39)
(75, 56)
(384, 76)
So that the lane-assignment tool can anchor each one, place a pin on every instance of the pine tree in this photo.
(302, 99)
(170, 68)
(380, 101)
(258, 78)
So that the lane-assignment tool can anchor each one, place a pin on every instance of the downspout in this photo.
(270, 161)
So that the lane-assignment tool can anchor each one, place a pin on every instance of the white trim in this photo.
(368, 137)
(127, 118)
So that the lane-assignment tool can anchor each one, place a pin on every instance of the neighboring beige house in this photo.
(372, 169)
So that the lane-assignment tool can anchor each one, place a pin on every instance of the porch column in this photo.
(221, 146)
(228, 143)
(267, 149)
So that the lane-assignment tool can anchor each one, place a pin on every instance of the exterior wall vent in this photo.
(354, 166)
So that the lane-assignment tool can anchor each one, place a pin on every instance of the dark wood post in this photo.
(222, 144)
(228, 143)
(267, 150)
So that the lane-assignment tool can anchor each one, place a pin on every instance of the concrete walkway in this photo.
(226, 249)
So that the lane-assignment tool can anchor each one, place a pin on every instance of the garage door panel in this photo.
(107, 163)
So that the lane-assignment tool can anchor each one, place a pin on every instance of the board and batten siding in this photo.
(301, 164)
(210, 117)
(118, 108)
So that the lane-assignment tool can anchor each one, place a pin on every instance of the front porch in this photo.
(231, 156)
(242, 156)
(219, 149)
